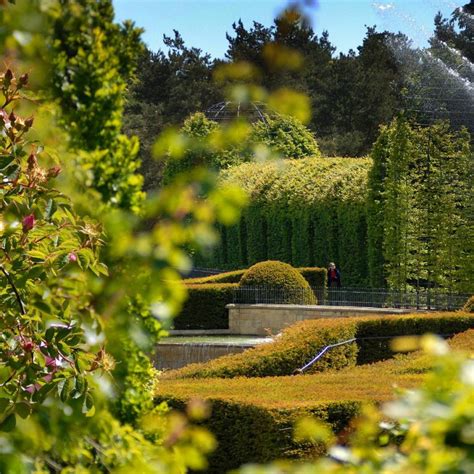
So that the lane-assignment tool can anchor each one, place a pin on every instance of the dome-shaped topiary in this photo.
(469, 306)
(286, 135)
(279, 283)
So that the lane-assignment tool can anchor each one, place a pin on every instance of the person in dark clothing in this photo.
(334, 276)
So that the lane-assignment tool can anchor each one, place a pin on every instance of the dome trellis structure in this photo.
(227, 111)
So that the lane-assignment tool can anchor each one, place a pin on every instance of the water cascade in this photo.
(176, 352)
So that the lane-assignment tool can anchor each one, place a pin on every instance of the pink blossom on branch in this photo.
(28, 222)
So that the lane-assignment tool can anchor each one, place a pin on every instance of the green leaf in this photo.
(51, 208)
(23, 409)
(65, 389)
(9, 423)
(6, 160)
(37, 254)
(88, 407)
(4, 403)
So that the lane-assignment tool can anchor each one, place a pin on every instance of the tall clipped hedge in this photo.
(421, 207)
(304, 212)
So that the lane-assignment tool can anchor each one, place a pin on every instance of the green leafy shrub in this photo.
(275, 403)
(289, 351)
(247, 433)
(306, 212)
(287, 136)
(420, 222)
(205, 307)
(372, 350)
(226, 277)
(200, 131)
(299, 343)
(92, 98)
(283, 134)
(279, 276)
(469, 305)
(316, 277)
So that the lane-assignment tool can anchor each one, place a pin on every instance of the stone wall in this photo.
(265, 319)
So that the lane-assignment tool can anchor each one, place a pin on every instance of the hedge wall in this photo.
(252, 418)
(316, 277)
(420, 208)
(291, 350)
(208, 297)
(205, 307)
(227, 277)
(372, 350)
(299, 343)
(305, 212)
(251, 434)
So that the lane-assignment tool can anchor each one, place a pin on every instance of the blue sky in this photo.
(204, 23)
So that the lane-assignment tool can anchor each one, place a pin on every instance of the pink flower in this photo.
(28, 222)
(72, 257)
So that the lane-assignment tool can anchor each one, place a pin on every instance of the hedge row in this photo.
(227, 277)
(205, 306)
(316, 277)
(291, 350)
(251, 434)
(299, 343)
(371, 350)
(305, 212)
(208, 297)
(252, 418)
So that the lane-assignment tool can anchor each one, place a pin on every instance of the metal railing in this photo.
(421, 298)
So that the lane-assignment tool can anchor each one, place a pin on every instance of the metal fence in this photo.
(422, 298)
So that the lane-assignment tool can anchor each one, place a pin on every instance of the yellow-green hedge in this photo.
(298, 344)
(227, 277)
(252, 418)
(205, 306)
(275, 275)
(208, 297)
(247, 433)
(305, 212)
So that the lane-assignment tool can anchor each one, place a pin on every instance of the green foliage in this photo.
(205, 306)
(316, 277)
(287, 136)
(290, 351)
(420, 203)
(93, 58)
(305, 212)
(372, 350)
(247, 433)
(206, 144)
(226, 277)
(281, 277)
(47, 253)
(426, 428)
(208, 297)
(298, 344)
(469, 306)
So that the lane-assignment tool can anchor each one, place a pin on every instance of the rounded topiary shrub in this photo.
(275, 282)
(469, 306)
(287, 136)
